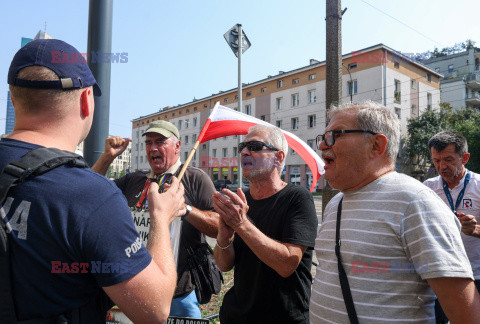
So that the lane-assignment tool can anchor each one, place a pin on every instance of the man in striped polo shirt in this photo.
(398, 242)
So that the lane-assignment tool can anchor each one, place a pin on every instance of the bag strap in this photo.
(347, 294)
(35, 162)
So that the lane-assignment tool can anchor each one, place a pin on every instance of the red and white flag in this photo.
(224, 121)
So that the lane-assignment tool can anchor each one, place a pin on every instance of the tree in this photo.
(465, 121)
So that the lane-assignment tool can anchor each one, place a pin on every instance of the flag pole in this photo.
(187, 162)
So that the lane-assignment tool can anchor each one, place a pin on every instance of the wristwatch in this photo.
(189, 209)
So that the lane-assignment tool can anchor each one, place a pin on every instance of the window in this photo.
(248, 109)
(279, 103)
(141, 159)
(263, 89)
(429, 100)
(278, 123)
(186, 139)
(188, 110)
(396, 65)
(173, 114)
(262, 117)
(205, 106)
(414, 109)
(194, 138)
(280, 84)
(312, 121)
(397, 93)
(236, 97)
(194, 108)
(352, 66)
(312, 96)
(136, 147)
(249, 93)
(225, 137)
(398, 112)
(352, 87)
(204, 146)
(295, 100)
(187, 121)
(225, 100)
(186, 155)
(214, 153)
(180, 112)
(179, 125)
(295, 81)
(413, 84)
(224, 152)
(312, 76)
(141, 146)
(195, 122)
(235, 152)
(195, 155)
(311, 143)
(450, 68)
(429, 77)
(295, 123)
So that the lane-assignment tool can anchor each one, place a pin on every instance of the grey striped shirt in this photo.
(395, 233)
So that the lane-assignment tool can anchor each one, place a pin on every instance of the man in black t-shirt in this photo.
(162, 146)
(267, 234)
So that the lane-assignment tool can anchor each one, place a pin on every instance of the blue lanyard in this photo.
(460, 195)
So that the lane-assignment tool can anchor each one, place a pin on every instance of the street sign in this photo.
(231, 37)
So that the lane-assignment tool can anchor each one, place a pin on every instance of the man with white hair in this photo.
(267, 234)
(388, 244)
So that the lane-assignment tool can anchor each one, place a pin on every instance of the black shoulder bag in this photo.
(205, 274)
(347, 294)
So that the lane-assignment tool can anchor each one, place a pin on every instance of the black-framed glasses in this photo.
(254, 146)
(329, 137)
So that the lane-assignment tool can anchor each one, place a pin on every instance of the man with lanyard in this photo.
(459, 188)
(162, 146)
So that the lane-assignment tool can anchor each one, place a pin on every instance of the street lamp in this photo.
(351, 82)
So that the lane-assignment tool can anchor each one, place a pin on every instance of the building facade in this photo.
(460, 85)
(295, 101)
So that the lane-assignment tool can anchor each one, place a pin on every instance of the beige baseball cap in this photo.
(162, 127)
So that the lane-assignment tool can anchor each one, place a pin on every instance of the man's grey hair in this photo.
(376, 118)
(274, 138)
(443, 139)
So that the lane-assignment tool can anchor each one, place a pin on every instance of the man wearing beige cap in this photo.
(163, 153)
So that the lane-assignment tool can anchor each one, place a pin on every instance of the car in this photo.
(234, 186)
(222, 183)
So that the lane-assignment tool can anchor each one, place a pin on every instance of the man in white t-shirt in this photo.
(398, 244)
(459, 188)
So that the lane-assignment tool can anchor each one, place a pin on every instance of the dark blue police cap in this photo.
(62, 58)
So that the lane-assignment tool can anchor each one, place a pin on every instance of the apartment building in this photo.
(460, 85)
(295, 101)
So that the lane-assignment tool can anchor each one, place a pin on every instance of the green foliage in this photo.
(449, 50)
(465, 121)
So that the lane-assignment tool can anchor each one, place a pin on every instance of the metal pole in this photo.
(239, 140)
(99, 48)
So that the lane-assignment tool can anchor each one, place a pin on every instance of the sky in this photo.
(176, 50)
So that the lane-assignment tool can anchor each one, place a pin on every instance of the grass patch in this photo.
(213, 307)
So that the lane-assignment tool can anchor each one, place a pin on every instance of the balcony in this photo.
(397, 96)
(473, 100)
(473, 80)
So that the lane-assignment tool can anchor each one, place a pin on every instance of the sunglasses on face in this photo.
(254, 146)
(329, 137)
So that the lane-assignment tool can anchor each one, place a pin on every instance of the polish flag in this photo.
(224, 121)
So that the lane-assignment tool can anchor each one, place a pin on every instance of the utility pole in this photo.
(99, 46)
(333, 87)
